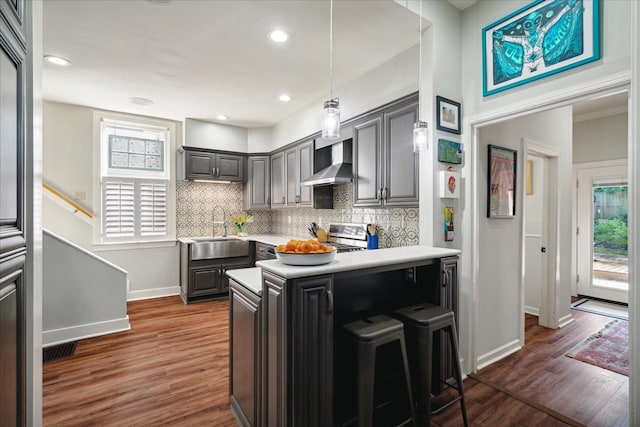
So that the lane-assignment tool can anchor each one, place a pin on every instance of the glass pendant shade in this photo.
(331, 119)
(420, 136)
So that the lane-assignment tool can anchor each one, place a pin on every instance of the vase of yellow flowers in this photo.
(239, 219)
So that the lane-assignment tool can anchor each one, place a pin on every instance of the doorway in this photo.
(602, 263)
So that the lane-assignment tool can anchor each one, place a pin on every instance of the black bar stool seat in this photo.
(421, 322)
(369, 334)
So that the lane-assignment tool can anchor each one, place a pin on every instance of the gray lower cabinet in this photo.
(245, 361)
(203, 280)
(385, 168)
(213, 166)
(298, 348)
(257, 192)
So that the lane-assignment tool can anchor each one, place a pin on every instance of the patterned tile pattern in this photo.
(196, 200)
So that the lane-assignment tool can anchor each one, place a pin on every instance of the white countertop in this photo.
(269, 239)
(359, 260)
(250, 278)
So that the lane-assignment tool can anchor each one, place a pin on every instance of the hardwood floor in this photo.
(172, 369)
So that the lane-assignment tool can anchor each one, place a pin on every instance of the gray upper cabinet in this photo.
(258, 189)
(385, 167)
(288, 169)
(214, 166)
(278, 199)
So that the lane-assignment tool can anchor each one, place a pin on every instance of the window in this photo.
(134, 182)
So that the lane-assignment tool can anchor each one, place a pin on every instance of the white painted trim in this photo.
(88, 330)
(634, 229)
(470, 138)
(565, 320)
(601, 164)
(497, 354)
(153, 293)
(548, 315)
(535, 311)
(99, 247)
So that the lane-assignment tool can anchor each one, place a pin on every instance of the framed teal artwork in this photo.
(449, 152)
(543, 38)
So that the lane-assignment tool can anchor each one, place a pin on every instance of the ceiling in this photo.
(199, 59)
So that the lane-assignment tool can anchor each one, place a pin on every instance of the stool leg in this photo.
(366, 381)
(407, 378)
(426, 369)
(453, 339)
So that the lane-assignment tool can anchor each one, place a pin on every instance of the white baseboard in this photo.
(497, 354)
(565, 320)
(153, 293)
(535, 311)
(88, 330)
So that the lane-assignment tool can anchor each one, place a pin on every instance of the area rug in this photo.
(608, 348)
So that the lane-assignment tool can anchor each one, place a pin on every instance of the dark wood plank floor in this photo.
(172, 369)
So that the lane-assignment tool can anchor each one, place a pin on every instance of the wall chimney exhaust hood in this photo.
(339, 170)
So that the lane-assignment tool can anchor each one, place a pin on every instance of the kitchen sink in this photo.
(217, 247)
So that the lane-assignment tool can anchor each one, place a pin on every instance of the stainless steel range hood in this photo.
(339, 171)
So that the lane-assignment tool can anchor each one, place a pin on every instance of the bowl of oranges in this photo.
(305, 252)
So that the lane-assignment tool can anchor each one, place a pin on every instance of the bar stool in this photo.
(369, 334)
(421, 322)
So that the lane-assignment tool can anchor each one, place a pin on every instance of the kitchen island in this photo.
(305, 377)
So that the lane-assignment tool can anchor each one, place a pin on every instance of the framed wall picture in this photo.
(543, 38)
(501, 188)
(449, 185)
(448, 115)
(449, 152)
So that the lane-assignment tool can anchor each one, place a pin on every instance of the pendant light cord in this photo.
(419, 62)
(331, 50)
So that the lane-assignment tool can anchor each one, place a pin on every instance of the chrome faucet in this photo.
(214, 222)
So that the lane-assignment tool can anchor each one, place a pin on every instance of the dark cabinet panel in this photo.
(275, 388)
(258, 188)
(367, 162)
(305, 170)
(9, 368)
(245, 364)
(205, 281)
(385, 166)
(312, 351)
(291, 177)
(213, 166)
(278, 180)
(264, 251)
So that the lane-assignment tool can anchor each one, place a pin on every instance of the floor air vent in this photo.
(59, 351)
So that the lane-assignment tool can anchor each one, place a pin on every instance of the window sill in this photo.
(98, 247)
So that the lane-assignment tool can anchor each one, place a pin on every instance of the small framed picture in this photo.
(501, 191)
(448, 115)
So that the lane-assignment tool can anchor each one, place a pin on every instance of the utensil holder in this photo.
(372, 242)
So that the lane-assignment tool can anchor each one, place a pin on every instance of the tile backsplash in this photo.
(196, 200)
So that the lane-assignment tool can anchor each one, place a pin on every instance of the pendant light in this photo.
(331, 111)
(420, 128)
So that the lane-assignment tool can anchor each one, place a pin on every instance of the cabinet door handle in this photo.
(329, 302)
(379, 194)
(297, 199)
(283, 201)
(384, 194)
(445, 278)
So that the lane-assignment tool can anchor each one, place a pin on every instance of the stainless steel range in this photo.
(347, 237)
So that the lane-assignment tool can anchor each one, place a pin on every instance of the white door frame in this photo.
(621, 163)
(607, 86)
(548, 315)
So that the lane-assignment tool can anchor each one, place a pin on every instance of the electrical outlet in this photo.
(79, 195)
(289, 219)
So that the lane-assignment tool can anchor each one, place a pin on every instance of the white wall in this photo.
(68, 165)
(499, 315)
(198, 133)
(605, 138)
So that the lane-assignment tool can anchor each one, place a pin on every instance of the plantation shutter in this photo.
(119, 208)
(153, 208)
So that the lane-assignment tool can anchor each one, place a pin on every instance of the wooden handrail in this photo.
(67, 200)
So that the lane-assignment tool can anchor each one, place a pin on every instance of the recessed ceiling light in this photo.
(57, 60)
(222, 117)
(278, 36)
(140, 101)
(285, 98)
